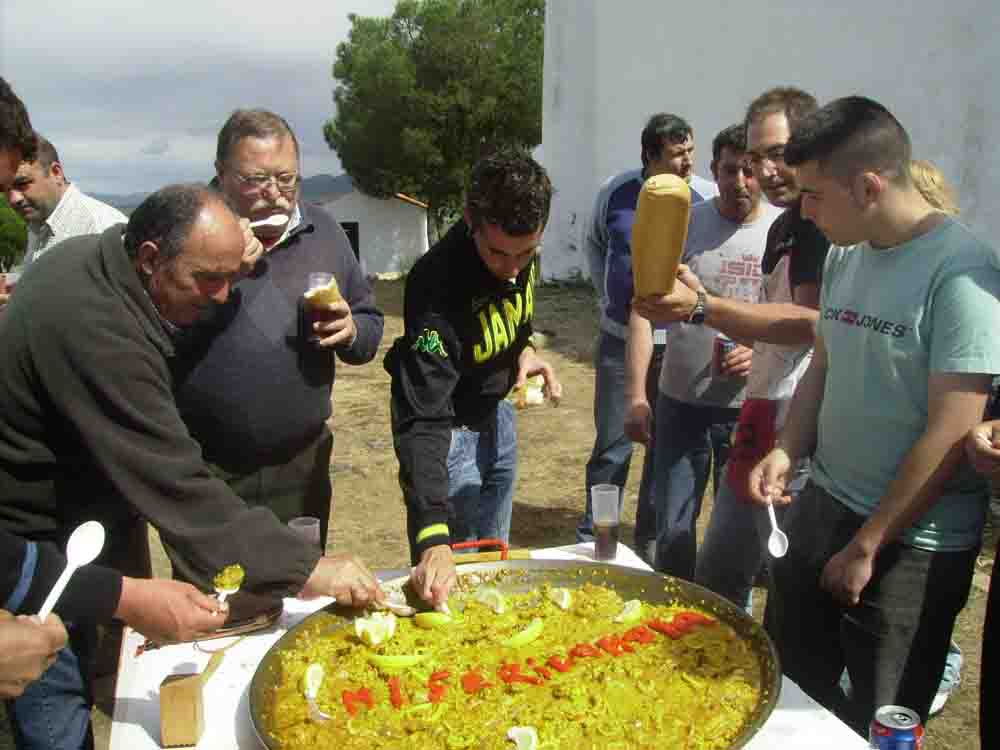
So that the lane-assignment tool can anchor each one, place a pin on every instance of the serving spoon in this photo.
(85, 544)
(777, 542)
(274, 220)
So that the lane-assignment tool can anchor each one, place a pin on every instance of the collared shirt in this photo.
(74, 215)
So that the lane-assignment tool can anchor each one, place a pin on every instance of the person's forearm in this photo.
(638, 355)
(798, 437)
(771, 322)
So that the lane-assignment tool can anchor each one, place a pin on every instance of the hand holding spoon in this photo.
(85, 543)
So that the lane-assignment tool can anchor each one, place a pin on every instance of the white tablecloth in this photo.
(798, 721)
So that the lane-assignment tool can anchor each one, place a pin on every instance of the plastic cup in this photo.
(10, 280)
(604, 500)
(316, 314)
(308, 528)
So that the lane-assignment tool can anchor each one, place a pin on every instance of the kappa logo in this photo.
(859, 320)
(429, 342)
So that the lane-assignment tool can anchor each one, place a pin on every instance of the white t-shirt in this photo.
(726, 256)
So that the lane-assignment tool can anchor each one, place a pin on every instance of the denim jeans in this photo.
(611, 456)
(53, 713)
(687, 436)
(893, 643)
(482, 469)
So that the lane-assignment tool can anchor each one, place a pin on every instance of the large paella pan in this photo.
(514, 578)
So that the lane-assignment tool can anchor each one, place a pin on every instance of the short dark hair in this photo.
(166, 218)
(45, 153)
(511, 190)
(793, 103)
(734, 137)
(252, 123)
(851, 135)
(16, 133)
(660, 129)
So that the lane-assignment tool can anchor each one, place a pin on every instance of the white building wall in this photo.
(609, 65)
(392, 234)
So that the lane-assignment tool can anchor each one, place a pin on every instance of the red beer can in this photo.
(896, 728)
(721, 347)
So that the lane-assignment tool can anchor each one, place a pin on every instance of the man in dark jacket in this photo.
(467, 312)
(90, 428)
(255, 388)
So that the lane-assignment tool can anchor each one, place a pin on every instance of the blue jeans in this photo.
(482, 469)
(687, 436)
(894, 642)
(612, 453)
(53, 713)
(734, 547)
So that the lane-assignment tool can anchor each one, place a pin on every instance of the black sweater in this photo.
(250, 388)
(458, 357)
(89, 427)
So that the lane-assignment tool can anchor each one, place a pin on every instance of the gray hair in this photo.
(251, 123)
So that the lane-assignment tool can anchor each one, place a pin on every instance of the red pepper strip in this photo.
(583, 650)
(437, 692)
(690, 619)
(639, 634)
(473, 682)
(351, 700)
(613, 645)
(667, 628)
(545, 673)
(511, 673)
(444, 674)
(560, 665)
(396, 696)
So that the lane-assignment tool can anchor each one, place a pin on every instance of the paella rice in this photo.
(662, 676)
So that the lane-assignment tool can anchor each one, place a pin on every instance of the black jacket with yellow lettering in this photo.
(456, 360)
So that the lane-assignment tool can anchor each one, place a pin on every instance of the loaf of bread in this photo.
(659, 233)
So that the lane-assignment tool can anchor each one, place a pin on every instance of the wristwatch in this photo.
(697, 316)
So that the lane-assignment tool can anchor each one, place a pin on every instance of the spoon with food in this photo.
(228, 581)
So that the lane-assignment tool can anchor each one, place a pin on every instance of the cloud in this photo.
(133, 96)
(158, 147)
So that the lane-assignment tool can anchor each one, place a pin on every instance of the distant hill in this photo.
(319, 188)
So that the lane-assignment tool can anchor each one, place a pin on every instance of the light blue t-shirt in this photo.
(889, 318)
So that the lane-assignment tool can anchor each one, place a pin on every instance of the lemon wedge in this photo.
(631, 612)
(526, 636)
(562, 597)
(430, 620)
(524, 738)
(325, 295)
(376, 629)
(492, 598)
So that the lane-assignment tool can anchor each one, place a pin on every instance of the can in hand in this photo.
(720, 348)
(896, 728)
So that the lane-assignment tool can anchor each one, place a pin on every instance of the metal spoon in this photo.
(85, 543)
(313, 680)
(274, 220)
(777, 542)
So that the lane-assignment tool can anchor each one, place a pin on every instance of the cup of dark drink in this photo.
(315, 308)
(604, 500)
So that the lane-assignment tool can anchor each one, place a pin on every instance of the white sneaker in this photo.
(940, 698)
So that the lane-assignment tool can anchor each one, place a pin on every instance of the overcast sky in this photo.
(132, 94)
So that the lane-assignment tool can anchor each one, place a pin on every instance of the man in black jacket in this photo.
(467, 312)
(90, 428)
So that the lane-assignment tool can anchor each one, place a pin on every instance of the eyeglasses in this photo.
(285, 183)
(774, 155)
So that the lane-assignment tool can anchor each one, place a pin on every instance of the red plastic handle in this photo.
(484, 543)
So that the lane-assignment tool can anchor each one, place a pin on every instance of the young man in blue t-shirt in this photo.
(883, 540)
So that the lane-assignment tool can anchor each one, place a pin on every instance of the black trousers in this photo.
(989, 680)
(893, 643)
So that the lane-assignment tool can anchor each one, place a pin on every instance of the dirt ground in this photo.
(554, 445)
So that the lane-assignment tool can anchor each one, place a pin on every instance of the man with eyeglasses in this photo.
(779, 327)
(252, 387)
